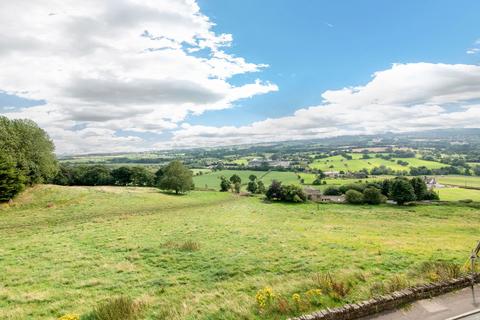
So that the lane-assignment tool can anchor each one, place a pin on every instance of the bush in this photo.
(332, 191)
(431, 195)
(354, 197)
(372, 195)
(115, 309)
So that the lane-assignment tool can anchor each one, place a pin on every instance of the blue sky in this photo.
(313, 46)
(333, 68)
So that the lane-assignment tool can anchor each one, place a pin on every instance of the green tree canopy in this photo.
(401, 190)
(176, 177)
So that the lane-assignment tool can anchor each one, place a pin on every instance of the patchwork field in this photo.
(339, 163)
(206, 254)
(212, 180)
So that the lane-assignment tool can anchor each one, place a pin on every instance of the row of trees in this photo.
(26, 156)
(173, 177)
(400, 190)
(235, 183)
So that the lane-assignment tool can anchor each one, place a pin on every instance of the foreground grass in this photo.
(205, 255)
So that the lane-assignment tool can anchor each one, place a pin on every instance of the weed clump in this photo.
(123, 308)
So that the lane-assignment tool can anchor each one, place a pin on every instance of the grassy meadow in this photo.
(462, 181)
(339, 163)
(212, 180)
(206, 254)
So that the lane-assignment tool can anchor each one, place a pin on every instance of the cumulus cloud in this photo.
(136, 65)
(406, 97)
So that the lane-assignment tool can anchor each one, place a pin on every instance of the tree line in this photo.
(172, 177)
(26, 156)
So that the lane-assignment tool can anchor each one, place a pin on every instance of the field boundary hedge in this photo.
(390, 301)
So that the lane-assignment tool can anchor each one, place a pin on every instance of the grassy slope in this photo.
(64, 249)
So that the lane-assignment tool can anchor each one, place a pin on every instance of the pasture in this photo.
(462, 181)
(212, 180)
(206, 254)
(456, 194)
(339, 163)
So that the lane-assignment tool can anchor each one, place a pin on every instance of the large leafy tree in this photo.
(12, 181)
(27, 155)
(401, 190)
(176, 177)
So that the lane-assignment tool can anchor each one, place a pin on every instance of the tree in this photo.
(176, 177)
(158, 176)
(402, 191)
(419, 187)
(274, 191)
(122, 176)
(225, 184)
(354, 197)
(476, 170)
(12, 181)
(235, 179)
(372, 195)
(252, 187)
(142, 177)
(237, 186)
(252, 177)
(332, 191)
(320, 176)
(260, 187)
(31, 148)
(293, 193)
(98, 175)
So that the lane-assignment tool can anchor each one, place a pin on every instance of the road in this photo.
(454, 305)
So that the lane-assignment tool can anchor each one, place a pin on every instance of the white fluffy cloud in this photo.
(406, 97)
(137, 65)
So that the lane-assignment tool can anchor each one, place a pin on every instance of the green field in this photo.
(462, 181)
(455, 194)
(339, 163)
(212, 180)
(64, 249)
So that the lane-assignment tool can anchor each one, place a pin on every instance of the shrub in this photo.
(119, 308)
(354, 197)
(431, 195)
(372, 195)
(332, 191)
(440, 270)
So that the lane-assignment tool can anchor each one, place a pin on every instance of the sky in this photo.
(135, 75)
